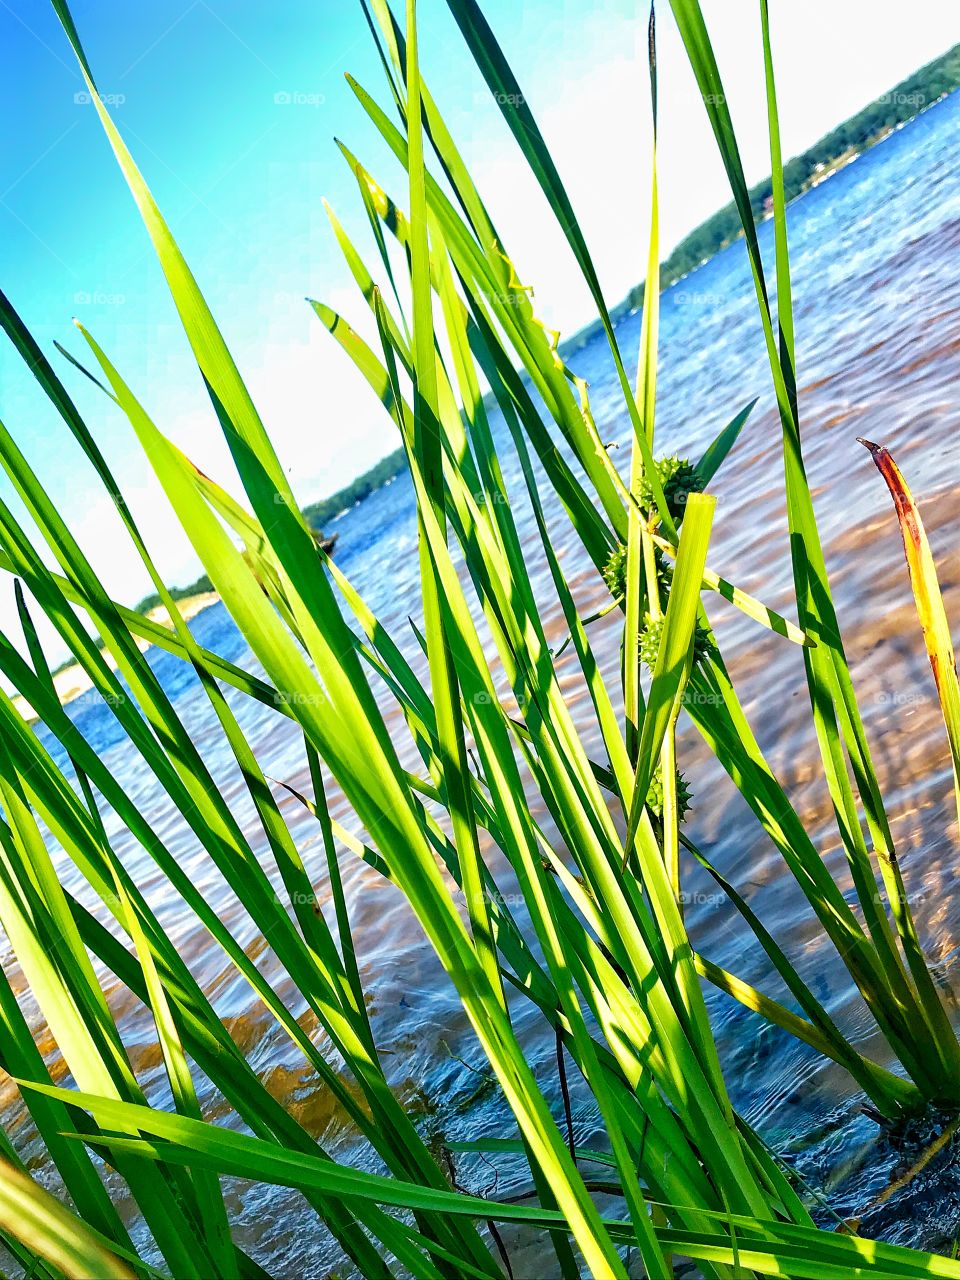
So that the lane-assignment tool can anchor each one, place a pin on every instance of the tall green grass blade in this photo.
(675, 656)
(33, 1216)
(836, 716)
(515, 110)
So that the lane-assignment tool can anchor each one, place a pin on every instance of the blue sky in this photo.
(198, 88)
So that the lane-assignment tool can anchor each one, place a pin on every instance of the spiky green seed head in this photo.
(615, 572)
(679, 478)
(655, 794)
(650, 640)
(652, 633)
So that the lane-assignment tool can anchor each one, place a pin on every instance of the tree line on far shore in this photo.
(908, 99)
(920, 90)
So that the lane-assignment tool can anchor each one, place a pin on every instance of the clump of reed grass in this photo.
(600, 951)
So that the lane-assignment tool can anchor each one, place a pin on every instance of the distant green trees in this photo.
(911, 96)
(319, 513)
(196, 588)
(906, 100)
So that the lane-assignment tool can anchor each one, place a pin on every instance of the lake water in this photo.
(876, 252)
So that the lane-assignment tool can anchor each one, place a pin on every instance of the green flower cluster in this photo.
(679, 478)
(650, 641)
(655, 794)
(615, 573)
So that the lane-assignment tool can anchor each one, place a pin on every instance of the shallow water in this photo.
(877, 287)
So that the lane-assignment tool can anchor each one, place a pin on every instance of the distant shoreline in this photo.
(72, 681)
(925, 89)
(839, 148)
(922, 90)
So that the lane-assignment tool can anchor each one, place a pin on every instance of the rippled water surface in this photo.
(876, 251)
